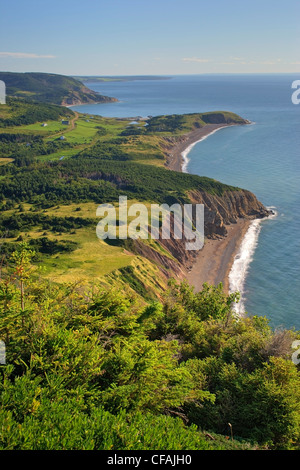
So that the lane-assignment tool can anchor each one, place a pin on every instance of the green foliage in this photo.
(89, 368)
(49, 88)
(131, 278)
(133, 130)
(67, 426)
(165, 123)
(24, 112)
(143, 375)
(262, 406)
(175, 122)
(95, 368)
(43, 221)
(104, 151)
(23, 152)
(42, 245)
(100, 172)
(210, 302)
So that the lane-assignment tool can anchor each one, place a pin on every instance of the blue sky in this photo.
(127, 37)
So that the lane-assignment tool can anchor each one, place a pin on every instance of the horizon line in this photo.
(158, 74)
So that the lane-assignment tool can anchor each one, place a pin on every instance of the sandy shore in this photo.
(175, 159)
(214, 261)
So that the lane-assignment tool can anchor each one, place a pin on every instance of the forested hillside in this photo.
(105, 346)
(50, 88)
(91, 368)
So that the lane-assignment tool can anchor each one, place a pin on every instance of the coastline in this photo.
(215, 260)
(82, 103)
(177, 154)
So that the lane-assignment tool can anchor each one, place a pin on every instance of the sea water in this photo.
(262, 157)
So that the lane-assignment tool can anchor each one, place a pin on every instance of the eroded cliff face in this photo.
(85, 96)
(219, 213)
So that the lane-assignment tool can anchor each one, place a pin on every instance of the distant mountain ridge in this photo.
(50, 88)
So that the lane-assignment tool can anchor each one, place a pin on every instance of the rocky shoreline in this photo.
(68, 103)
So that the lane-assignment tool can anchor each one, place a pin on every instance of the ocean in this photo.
(263, 157)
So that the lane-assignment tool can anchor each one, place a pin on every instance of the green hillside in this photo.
(50, 88)
(50, 188)
(94, 368)
(105, 350)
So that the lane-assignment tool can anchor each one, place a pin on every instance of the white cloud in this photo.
(270, 62)
(24, 55)
(196, 59)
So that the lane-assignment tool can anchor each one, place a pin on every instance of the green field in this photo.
(92, 145)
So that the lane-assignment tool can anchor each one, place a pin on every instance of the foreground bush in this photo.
(88, 368)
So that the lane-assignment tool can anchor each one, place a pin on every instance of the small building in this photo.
(65, 123)
(44, 124)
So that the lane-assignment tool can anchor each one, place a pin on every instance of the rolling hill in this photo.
(50, 88)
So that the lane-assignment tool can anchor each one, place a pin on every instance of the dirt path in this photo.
(73, 121)
(70, 128)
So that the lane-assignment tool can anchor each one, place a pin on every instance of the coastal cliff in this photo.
(85, 96)
(228, 212)
(50, 88)
(221, 213)
(105, 166)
